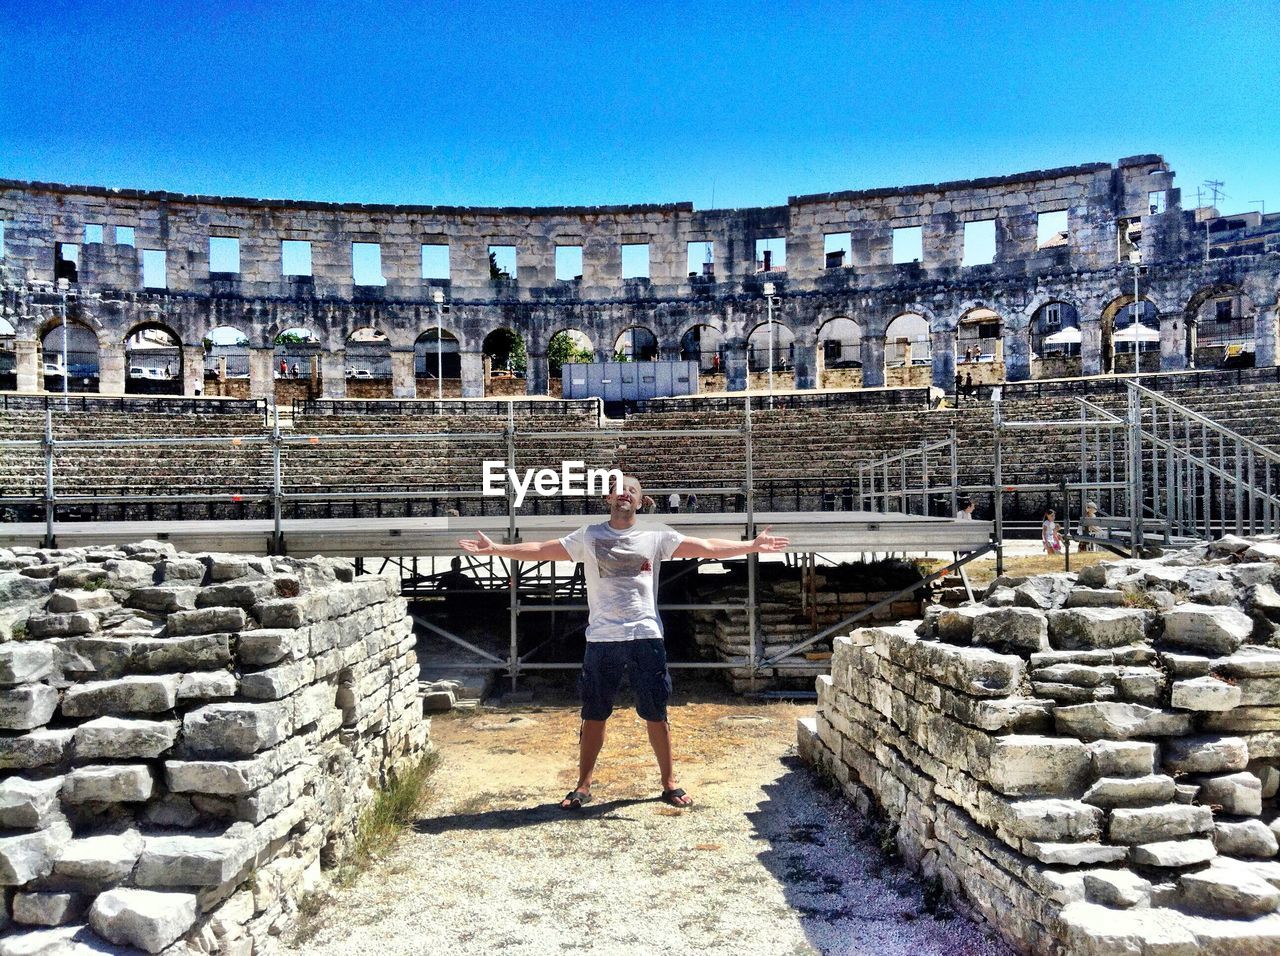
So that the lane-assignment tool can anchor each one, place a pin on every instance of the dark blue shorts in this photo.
(643, 662)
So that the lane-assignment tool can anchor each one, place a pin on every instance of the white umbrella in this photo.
(1136, 333)
(1068, 336)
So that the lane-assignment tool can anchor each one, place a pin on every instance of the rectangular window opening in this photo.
(700, 257)
(153, 269)
(224, 254)
(366, 263)
(908, 244)
(1156, 202)
(1051, 229)
(435, 260)
(92, 233)
(635, 260)
(979, 242)
(1224, 310)
(124, 236)
(771, 255)
(568, 263)
(295, 257)
(838, 249)
(502, 263)
(66, 261)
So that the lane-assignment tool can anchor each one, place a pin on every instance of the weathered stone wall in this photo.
(1088, 762)
(186, 738)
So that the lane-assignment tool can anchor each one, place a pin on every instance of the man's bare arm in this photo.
(718, 548)
(551, 550)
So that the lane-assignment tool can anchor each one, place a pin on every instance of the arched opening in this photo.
(906, 341)
(1130, 336)
(73, 357)
(771, 345)
(226, 362)
(703, 344)
(1055, 340)
(505, 362)
(296, 364)
(840, 353)
(636, 344)
(980, 347)
(8, 356)
(1221, 328)
(437, 363)
(567, 347)
(368, 363)
(152, 361)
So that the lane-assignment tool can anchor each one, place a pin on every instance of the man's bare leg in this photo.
(660, 741)
(590, 742)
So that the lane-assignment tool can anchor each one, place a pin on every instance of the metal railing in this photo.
(907, 479)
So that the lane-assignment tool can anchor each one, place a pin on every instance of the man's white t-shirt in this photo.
(621, 568)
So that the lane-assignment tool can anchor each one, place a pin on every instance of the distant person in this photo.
(692, 502)
(1049, 536)
(965, 510)
(968, 384)
(959, 386)
(715, 363)
(620, 560)
(673, 503)
(295, 369)
(455, 582)
(1089, 526)
(284, 368)
(168, 370)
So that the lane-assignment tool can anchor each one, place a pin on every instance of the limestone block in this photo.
(272, 645)
(127, 575)
(1011, 630)
(1048, 820)
(207, 685)
(1079, 675)
(27, 706)
(38, 748)
(1263, 551)
(15, 588)
(1173, 854)
(1157, 824)
(133, 694)
(230, 567)
(1097, 627)
(29, 856)
(182, 569)
(974, 671)
(1230, 544)
(108, 783)
(64, 602)
(1205, 693)
(1205, 754)
(164, 599)
(1258, 691)
(1121, 889)
(147, 919)
(55, 941)
(1246, 838)
(1109, 792)
(1112, 720)
(61, 625)
(1227, 888)
(1213, 630)
(208, 620)
(195, 653)
(29, 804)
(1250, 661)
(183, 860)
(25, 662)
(1094, 597)
(1074, 854)
(241, 594)
(235, 729)
(1122, 758)
(120, 738)
(1187, 665)
(1029, 765)
(1094, 930)
(1239, 794)
(103, 859)
(48, 909)
(277, 682)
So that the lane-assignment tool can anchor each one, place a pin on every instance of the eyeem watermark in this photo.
(573, 480)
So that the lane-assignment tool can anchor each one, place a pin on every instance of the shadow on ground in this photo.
(519, 817)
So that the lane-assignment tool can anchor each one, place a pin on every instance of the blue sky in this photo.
(543, 103)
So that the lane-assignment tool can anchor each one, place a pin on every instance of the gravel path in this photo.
(768, 861)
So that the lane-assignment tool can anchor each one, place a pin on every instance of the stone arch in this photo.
(296, 352)
(1117, 315)
(704, 343)
(226, 353)
(152, 359)
(1218, 336)
(838, 351)
(907, 335)
(979, 332)
(437, 362)
(566, 346)
(505, 356)
(83, 359)
(368, 353)
(760, 354)
(636, 343)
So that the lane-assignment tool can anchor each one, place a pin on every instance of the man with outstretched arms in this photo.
(620, 559)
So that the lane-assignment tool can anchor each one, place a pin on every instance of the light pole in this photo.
(63, 285)
(437, 296)
(769, 290)
(1135, 258)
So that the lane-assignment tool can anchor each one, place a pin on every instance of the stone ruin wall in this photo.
(1089, 762)
(186, 739)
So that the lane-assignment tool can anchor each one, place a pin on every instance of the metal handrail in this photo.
(1209, 423)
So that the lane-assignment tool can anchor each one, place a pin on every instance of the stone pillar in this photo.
(472, 374)
(111, 369)
(1265, 333)
(1173, 342)
(872, 357)
(1014, 349)
(262, 374)
(735, 366)
(806, 364)
(942, 350)
(1090, 345)
(537, 375)
(27, 364)
(404, 383)
(192, 369)
(333, 374)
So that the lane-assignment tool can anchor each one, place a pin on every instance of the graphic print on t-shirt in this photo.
(618, 559)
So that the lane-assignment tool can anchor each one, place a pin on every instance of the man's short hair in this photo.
(965, 503)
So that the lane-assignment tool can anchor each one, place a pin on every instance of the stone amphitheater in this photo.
(1085, 761)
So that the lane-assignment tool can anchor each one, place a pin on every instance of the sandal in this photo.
(575, 799)
(673, 798)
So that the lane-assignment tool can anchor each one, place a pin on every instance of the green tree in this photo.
(293, 338)
(564, 351)
(505, 349)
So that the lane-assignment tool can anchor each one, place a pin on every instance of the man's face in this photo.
(628, 502)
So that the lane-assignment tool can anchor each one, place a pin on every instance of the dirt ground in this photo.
(983, 571)
(769, 861)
